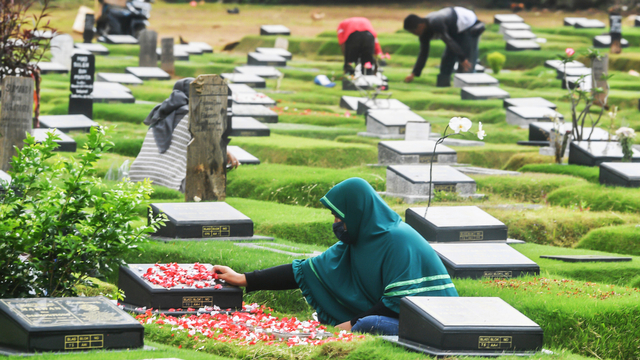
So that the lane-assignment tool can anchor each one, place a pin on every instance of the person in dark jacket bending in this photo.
(460, 30)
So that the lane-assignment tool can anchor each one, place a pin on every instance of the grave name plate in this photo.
(521, 45)
(274, 30)
(620, 174)
(141, 292)
(587, 258)
(66, 123)
(486, 260)
(248, 126)
(411, 182)
(87, 34)
(243, 156)
(483, 93)
(507, 18)
(455, 224)
(529, 102)
(417, 130)
(414, 152)
(208, 220)
(467, 80)
(83, 68)
(166, 58)
(16, 115)
(523, 116)
(67, 324)
(486, 325)
(593, 153)
(255, 58)
(250, 80)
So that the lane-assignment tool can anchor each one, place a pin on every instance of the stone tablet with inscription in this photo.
(274, 30)
(529, 102)
(148, 73)
(128, 79)
(589, 24)
(488, 260)
(507, 18)
(620, 174)
(541, 131)
(483, 93)
(414, 152)
(593, 153)
(411, 182)
(248, 126)
(380, 104)
(118, 39)
(390, 121)
(465, 80)
(148, 40)
(95, 49)
(140, 292)
(243, 156)
(524, 115)
(202, 220)
(351, 102)
(250, 80)
(512, 26)
(261, 59)
(67, 324)
(258, 112)
(16, 115)
(521, 45)
(66, 123)
(519, 35)
(254, 98)
(456, 224)
(266, 72)
(275, 51)
(67, 144)
(604, 41)
(481, 325)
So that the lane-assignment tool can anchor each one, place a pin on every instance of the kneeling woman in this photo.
(357, 283)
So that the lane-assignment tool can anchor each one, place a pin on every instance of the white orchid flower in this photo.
(459, 124)
(626, 132)
(481, 133)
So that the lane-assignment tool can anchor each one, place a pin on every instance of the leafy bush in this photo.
(615, 239)
(597, 198)
(496, 61)
(590, 174)
(52, 213)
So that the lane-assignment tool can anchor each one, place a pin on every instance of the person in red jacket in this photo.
(359, 43)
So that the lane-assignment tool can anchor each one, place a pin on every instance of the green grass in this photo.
(590, 174)
(490, 155)
(597, 197)
(529, 187)
(614, 239)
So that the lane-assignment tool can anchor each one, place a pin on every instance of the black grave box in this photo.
(255, 58)
(521, 45)
(248, 126)
(274, 30)
(483, 93)
(604, 41)
(66, 123)
(351, 102)
(67, 324)
(484, 260)
(532, 101)
(414, 152)
(620, 174)
(587, 258)
(275, 51)
(67, 144)
(455, 224)
(258, 112)
(593, 153)
(140, 292)
(481, 324)
(202, 220)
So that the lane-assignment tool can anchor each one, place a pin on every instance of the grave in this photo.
(583, 83)
(507, 18)
(593, 153)
(465, 326)
(523, 116)
(414, 152)
(411, 182)
(529, 102)
(16, 116)
(442, 224)
(572, 72)
(51, 68)
(483, 93)
(118, 39)
(109, 95)
(189, 49)
(557, 64)
(521, 45)
(486, 260)
(260, 59)
(468, 80)
(519, 35)
(604, 41)
(365, 82)
(586, 258)
(148, 73)
(267, 72)
(168, 55)
(4, 179)
(139, 291)
(258, 112)
(417, 130)
(513, 26)
(274, 30)
(66, 324)
(83, 68)
(95, 49)
(206, 48)
(351, 102)
(380, 104)
(387, 124)
(275, 51)
(571, 21)
(620, 174)
(250, 80)
(255, 98)
(66, 123)
(240, 89)
(128, 79)
(248, 126)
(111, 86)
(541, 131)
(589, 24)
(277, 248)
(243, 156)
(179, 55)
(67, 144)
(62, 50)
(148, 40)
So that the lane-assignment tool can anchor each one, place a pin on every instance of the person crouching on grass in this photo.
(358, 282)
(359, 43)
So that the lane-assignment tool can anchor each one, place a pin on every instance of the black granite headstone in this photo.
(202, 220)
(483, 93)
(488, 260)
(148, 73)
(266, 72)
(83, 68)
(248, 126)
(274, 30)
(529, 102)
(243, 156)
(258, 112)
(275, 51)
(586, 258)
(87, 34)
(507, 18)
(593, 153)
(455, 224)
(67, 144)
(141, 292)
(260, 59)
(521, 45)
(620, 174)
(250, 80)
(66, 123)
(67, 324)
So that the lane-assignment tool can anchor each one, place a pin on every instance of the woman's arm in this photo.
(275, 278)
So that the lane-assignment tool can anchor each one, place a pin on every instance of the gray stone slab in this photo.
(587, 258)
(593, 153)
(243, 156)
(260, 59)
(148, 73)
(257, 112)
(589, 24)
(111, 96)
(119, 78)
(52, 68)
(111, 86)
(248, 126)
(541, 131)
(620, 174)
(274, 30)
(414, 152)
(557, 64)
(118, 39)
(206, 48)
(483, 93)
(351, 102)
(275, 51)
(523, 116)
(507, 18)
(253, 99)
(473, 79)
(380, 104)
(521, 45)
(513, 26)
(95, 49)
(484, 171)
(66, 123)
(604, 41)
(67, 144)
(519, 35)
(583, 83)
(250, 80)
(390, 121)
(637, 21)
(529, 102)
(180, 55)
(365, 82)
(411, 182)
(267, 72)
(240, 89)
(453, 224)
(571, 21)
(572, 71)
(188, 48)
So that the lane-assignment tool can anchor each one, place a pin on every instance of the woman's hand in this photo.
(409, 78)
(229, 276)
(344, 326)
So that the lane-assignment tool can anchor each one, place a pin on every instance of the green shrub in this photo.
(597, 198)
(613, 239)
(496, 61)
(517, 161)
(590, 174)
(490, 155)
(530, 187)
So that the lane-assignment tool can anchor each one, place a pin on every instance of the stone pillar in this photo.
(15, 116)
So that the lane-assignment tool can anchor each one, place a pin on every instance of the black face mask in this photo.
(341, 233)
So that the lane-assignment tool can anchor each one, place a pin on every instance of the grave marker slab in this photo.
(572, 71)
(519, 35)
(541, 131)
(478, 326)
(589, 24)
(507, 18)
(380, 104)
(620, 174)
(365, 82)
(571, 21)
(16, 115)
(258, 112)
(95, 49)
(411, 182)
(178, 55)
(67, 324)
(351, 102)
(637, 21)
(523, 116)
(202, 220)
(486, 260)
(529, 102)
(141, 292)
(4, 179)
(583, 83)
(593, 153)
(444, 224)
(274, 30)
(587, 258)
(414, 152)
(67, 144)
(51, 68)
(206, 48)
(118, 39)
(275, 51)
(390, 121)
(83, 68)
(253, 99)
(521, 45)
(110, 86)
(248, 126)
(604, 41)
(260, 59)
(267, 72)
(513, 26)
(62, 50)
(189, 49)
(128, 79)
(240, 89)
(557, 64)
(148, 73)
(483, 93)
(417, 130)
(111, 96)
(66, 123)
(243, 156)
(250, 80)
(468, 80)
(168, 56)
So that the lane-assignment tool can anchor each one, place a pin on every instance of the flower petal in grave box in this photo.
(253, 81)
(248, 126)
(169, 287)
(593, 153)
(411, 182)
(620, 174)
(255, 98)
(414, 152)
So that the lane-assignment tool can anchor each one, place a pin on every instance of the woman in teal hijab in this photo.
(357, 283)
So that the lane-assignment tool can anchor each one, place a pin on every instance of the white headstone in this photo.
(415, 130)
(62, 50)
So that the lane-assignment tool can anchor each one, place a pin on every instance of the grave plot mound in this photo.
(274, 30)
(261, 59)
(248, 126)
(118, 39)
(67, 144)
(351, 102)
(593, 153)
(250, 80)
(411, 182)
(474, 79)
(243, 156)
(387, 124)
(66, 324)
(523, 116)
(459, 326)
(519, 35)
(444, 224)
(52, 68)
(188, 287)
(521, 45)
(365, 82)
(586, 258)
(148, 73)
(275, 51)
(66, 123)
(529, 102)
(507, 18)
(266, 72)
(604, 41)
(512, 26)
(95, 49)
(589, 24)
(487, 260)
(254, 98)
(258, 112)
(620, 174)
(483, 93)
(380, 104)
(414, 152)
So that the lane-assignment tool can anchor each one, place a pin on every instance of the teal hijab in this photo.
(386, 259)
